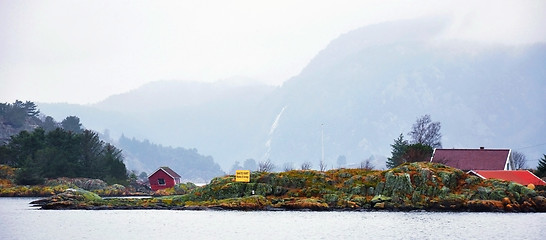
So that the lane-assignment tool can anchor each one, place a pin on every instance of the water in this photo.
(19, 221)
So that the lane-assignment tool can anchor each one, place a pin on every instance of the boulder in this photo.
(540, 203)
(70, 199)
(379, 205)
(380, 198)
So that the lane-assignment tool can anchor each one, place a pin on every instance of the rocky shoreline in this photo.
(409, 187)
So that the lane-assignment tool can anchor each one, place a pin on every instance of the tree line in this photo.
(61, 153)
(44, 148)
(15, 114)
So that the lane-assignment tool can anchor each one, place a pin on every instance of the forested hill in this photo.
(19, 116)
(148, 156)
(23, 123)
(42, 148)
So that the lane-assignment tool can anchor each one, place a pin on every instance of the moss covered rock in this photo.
(410, 186)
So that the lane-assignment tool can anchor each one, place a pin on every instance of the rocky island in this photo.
(411, 186)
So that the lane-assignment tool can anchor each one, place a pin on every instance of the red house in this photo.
(522, 177)
(164, 177)
(473, 159)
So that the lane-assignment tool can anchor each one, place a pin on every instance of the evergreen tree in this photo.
(417, 153)
(31, 109)
(72, 124)
(25, 145)
(14, 114)
(91, 149)
(113, 164)
(541, 168)
(398, 150)
(29, 174)
(61, 153)
(49, 124)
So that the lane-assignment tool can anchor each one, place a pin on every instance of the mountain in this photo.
(371, 84)
(354, 98)
(220, 119)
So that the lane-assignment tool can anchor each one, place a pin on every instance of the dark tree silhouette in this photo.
(61, 153)
(31, 109)
(398, 150)
(49, 124)
(72, 124)
(266, 166)
(541, 168)
(417, 153)
(306, 166)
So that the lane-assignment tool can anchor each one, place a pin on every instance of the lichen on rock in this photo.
(410, 186)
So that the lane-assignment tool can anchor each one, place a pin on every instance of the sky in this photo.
(84, 51)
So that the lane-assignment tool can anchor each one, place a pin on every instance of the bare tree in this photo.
(426, 132)
(367, 164)
(518, 160)
(288, 166)
(322, 166)
(266, 166)
(306, 166)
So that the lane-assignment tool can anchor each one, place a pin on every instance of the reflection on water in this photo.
(19, 221)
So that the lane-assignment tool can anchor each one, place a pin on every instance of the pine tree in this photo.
(398, 150)
(541, 168)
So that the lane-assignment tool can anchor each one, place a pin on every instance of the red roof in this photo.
(169, 171)
(473, 159)
(523, 177)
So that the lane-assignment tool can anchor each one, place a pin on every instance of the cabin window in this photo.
(161, 181)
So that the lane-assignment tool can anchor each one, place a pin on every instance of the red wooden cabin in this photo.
(164, 177)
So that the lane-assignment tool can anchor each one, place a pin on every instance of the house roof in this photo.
(523, 177)
(169, 172)
(473, 159)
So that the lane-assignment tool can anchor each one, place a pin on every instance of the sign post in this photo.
(242, 176)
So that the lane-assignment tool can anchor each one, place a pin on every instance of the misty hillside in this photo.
(148, 157)
(366, 87)
(160, 96)
(219, 119)
(367, 91)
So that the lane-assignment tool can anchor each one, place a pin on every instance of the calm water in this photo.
(19, 221)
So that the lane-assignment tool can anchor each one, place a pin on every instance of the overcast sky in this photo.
(84, 51)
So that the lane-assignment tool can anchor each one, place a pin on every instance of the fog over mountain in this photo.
(360, 93)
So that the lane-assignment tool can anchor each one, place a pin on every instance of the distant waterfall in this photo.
(270, 135)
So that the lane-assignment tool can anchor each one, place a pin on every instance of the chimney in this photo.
(482, 148)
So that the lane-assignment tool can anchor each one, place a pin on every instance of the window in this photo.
(161, 181)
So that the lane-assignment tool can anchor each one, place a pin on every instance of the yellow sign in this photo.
(242, 176)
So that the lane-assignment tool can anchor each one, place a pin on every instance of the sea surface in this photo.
(18, 220)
